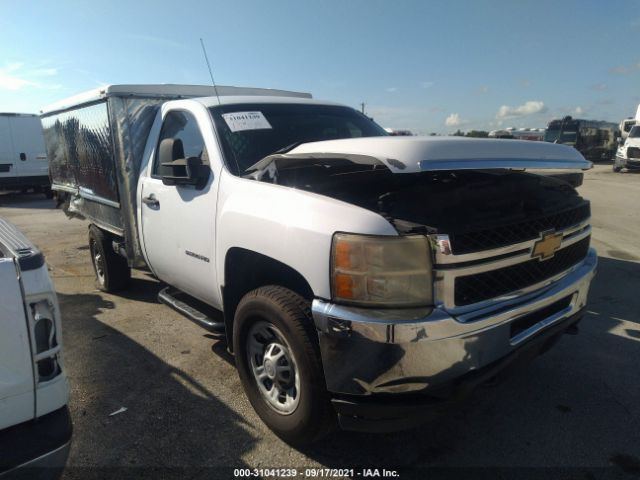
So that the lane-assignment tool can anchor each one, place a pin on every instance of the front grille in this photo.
(509, 234)
(633, 152)
(495, 283)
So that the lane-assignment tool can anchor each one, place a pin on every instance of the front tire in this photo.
(112, 271)
(278, 361)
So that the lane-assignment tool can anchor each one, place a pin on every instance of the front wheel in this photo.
(278, 361)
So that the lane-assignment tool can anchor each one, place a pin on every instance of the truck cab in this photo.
(628, 154)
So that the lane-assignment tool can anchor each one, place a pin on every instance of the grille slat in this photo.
(475, 288)
(503, 235)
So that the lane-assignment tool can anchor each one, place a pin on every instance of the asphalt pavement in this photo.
(574, 412)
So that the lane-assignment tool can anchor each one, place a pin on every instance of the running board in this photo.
(168, 296)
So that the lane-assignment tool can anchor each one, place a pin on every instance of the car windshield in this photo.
(635, 132)
(250, 132)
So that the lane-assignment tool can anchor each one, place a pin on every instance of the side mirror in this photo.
(620, 140)
(178, 170)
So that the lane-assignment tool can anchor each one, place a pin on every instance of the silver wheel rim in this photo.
(98, 262)
(274, 367)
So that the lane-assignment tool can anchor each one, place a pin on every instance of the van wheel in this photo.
(616, 168)
(112, 271)
(48, 193)
(278, 361)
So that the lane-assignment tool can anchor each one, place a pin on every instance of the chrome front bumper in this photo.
(367, 351)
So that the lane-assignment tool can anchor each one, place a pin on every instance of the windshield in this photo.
(635, 132)
(567, 137)
(250, 132)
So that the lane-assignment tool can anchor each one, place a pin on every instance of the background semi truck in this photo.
(23, 159)
(357, 277)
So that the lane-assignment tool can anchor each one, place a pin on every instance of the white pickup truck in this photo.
(35, 428)
(357, 277)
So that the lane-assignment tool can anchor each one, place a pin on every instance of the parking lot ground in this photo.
(576, 408)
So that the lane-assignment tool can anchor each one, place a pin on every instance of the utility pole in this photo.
(362, 107)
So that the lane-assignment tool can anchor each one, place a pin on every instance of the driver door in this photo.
(178, 221)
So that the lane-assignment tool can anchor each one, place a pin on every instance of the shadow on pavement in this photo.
(555, 413)
(143, 289)
(173, 426)
(26, 200)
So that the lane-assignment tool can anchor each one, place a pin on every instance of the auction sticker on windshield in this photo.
(239, 121)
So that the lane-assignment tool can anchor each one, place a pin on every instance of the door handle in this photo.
(151, 200)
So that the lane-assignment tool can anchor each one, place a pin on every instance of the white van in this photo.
(23, 158)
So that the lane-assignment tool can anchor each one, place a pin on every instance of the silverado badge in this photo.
(546, 247)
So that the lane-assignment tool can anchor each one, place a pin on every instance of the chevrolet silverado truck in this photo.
(35, 428)
(359, 279)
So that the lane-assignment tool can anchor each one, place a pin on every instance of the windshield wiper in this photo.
(288, 148)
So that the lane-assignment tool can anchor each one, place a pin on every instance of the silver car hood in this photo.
(420, 154)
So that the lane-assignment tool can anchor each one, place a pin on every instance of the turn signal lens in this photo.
(381, 271)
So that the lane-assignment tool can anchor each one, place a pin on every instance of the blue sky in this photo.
(430, 66)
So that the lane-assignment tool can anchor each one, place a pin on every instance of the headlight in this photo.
(381, 271)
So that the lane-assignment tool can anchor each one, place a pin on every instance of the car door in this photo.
(178, 221)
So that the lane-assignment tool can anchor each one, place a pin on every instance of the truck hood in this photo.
(422, 154)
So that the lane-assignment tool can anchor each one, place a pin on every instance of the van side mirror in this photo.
(178, 170)
(620, 140)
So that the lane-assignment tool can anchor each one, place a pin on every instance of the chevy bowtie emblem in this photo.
(546, 247)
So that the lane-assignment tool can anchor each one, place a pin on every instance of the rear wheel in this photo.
(278, 360)
(112, 271)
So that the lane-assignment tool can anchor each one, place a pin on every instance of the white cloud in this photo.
(391, 89)
(599, 87)
(44, 72)
(10, 82)
(14, 77)
(625, 69)
(528, 108)
(427, 84)
(158, 41)
(483, 89)
(453, 120)
(579, 110)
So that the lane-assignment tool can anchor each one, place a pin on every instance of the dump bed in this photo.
(95, 142)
